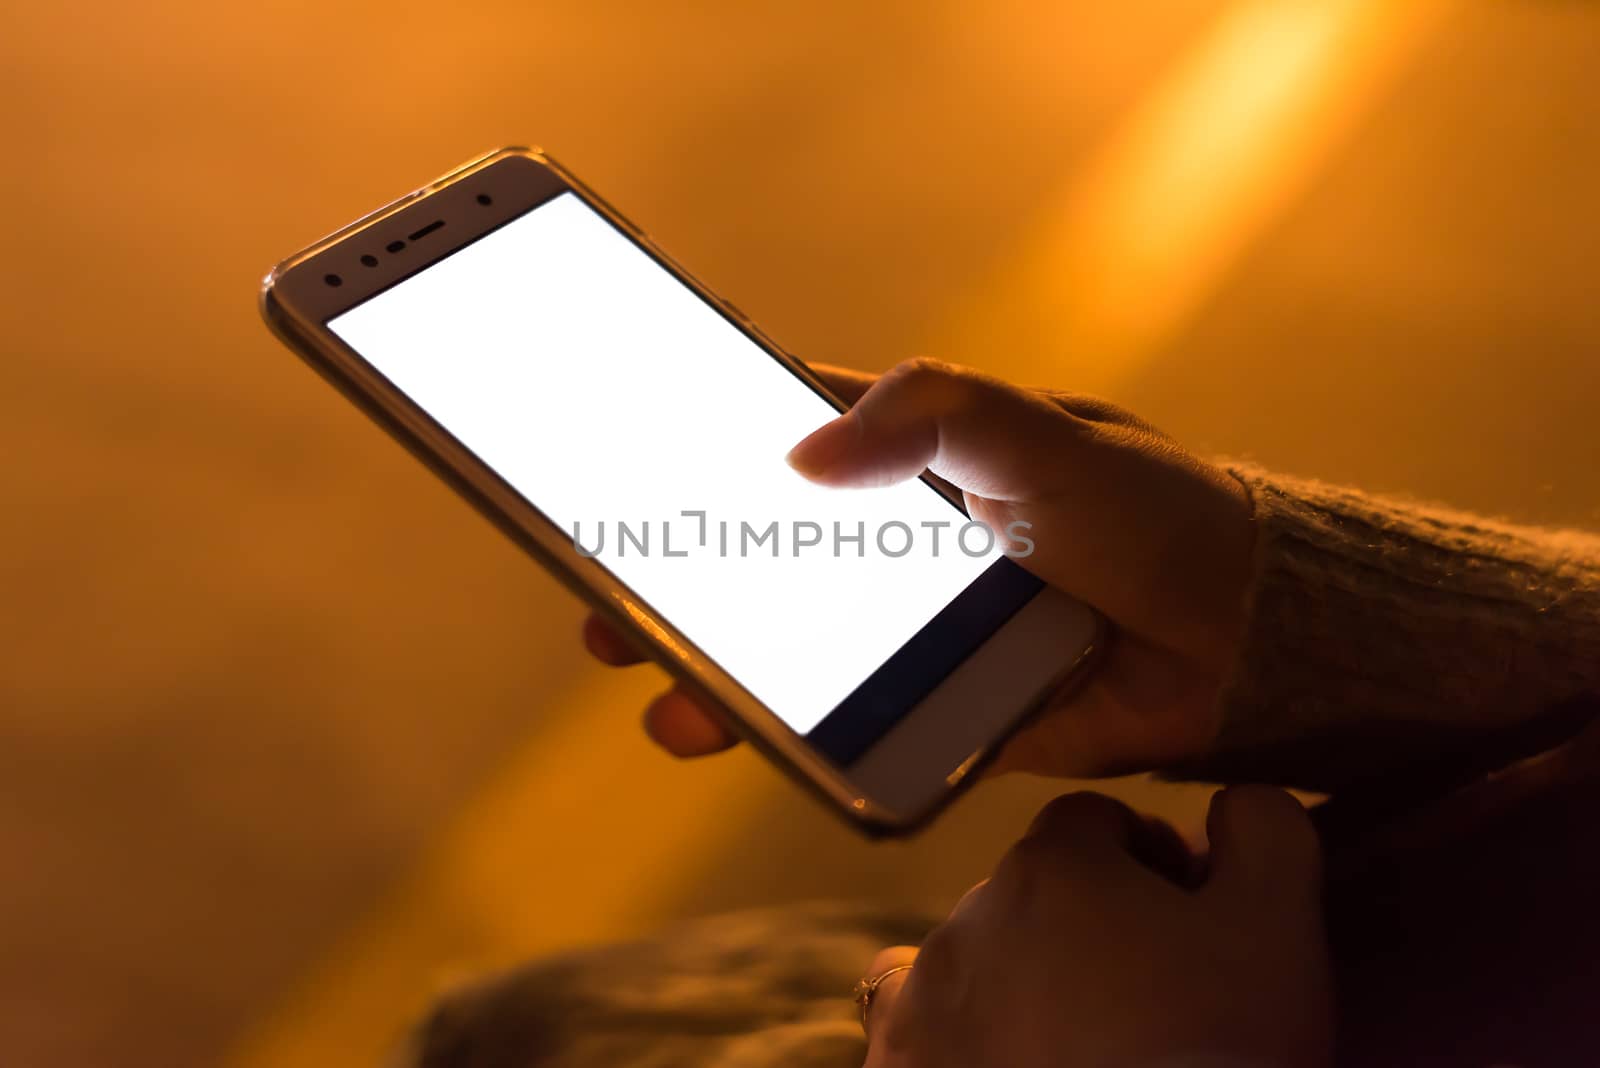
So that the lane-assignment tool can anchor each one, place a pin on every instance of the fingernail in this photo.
(824, 447)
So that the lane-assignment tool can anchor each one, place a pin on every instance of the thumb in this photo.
(981, 434)
(1263, 847)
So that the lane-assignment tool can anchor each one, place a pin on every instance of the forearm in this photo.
(1383, 634)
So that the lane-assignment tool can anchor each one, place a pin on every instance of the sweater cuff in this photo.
(1384, 634)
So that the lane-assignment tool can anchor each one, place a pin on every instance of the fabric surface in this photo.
(754, 989)
(1463, 929)
(1386, 636)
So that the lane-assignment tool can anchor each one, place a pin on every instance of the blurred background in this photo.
(290, 739)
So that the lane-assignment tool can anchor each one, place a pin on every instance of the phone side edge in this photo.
(1068, 682)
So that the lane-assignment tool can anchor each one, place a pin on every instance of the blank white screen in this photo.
(604, 390)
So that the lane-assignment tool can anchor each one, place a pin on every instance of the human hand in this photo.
(1122, 518)
(1076, 953)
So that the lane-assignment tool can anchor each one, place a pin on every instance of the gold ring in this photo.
(865, 988)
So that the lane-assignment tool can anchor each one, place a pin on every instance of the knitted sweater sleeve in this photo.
(1384, 636)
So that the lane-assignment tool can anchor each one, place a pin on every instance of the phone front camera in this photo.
(333, 279)
(485, 199)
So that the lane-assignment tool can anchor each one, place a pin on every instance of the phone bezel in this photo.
(297, 303)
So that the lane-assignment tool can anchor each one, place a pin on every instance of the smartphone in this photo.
(628, 429)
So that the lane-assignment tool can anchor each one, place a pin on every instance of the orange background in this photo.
(289, 737)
